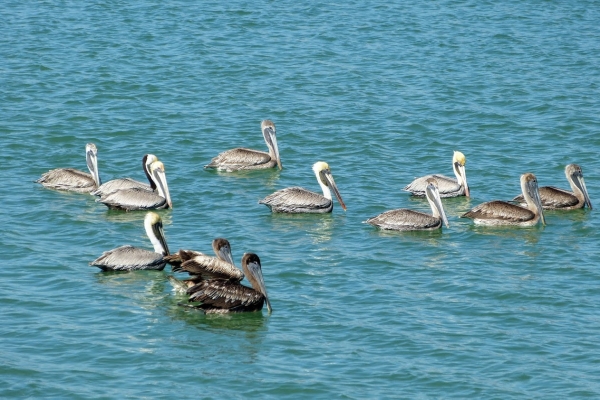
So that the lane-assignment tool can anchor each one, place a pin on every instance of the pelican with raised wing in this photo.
(141, 199)
(221, 247)
(245, 159)
(73, 180)
(128, 183)
(447, 187)
(129, 258)
(220, 296)
(202, 267)
(559, 199)
(410, 220)
(299, 200)
(505, 213)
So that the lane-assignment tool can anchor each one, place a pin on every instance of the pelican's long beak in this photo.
(91, 158)
(158, 173)
(331, 183)
(580, 183)
(463, 178)
(433, 195)
(271, 139)
(160, 235)
(256, 278)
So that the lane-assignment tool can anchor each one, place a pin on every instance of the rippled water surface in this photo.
(383, 93)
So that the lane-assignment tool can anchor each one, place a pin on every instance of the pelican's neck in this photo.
(434, 209)
(146, 162)
(460, 174)
(324, 187)
(573, 177)
(152, 231)
(271, 140)
(92, 163)
(528, 199)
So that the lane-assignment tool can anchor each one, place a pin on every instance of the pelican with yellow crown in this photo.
(447, 187)
(129, 258)
(300, 200)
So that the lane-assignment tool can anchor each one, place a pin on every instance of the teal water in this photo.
(383, 93)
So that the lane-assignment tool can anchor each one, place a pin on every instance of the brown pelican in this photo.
(201, 266)
(300, 200)
(72, 179)
(220, 246)
(560, 199)
(140, 199)
(219, 296)
(409, 220)
(448, 187)
(129, 258)
(240, 158)
(504, 213)
(128, 183)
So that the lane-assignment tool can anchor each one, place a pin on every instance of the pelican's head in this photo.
(575, 178)
(91, 158)
(157, 171)
(268, 130)
(253, 272)
(435, 201)
(154, 230)
(222, 249)
(325, 179)
(529, 186)
(147, 161)
(458, 164)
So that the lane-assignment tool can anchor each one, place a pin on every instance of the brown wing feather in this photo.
(553, 197)
(404, 220)
(211, 268)
(134, 199)
(447, 187)
(68, 179)
(129, 258)
(220, 296)
(239, 158)
(297, 199)
(500, 210)
(176, 259)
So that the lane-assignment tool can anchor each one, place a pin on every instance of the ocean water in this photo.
(383, 93)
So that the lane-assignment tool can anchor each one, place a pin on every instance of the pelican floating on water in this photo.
(559, 199)
(300, 200)
(201, 266)
(221, 247)
(128, 183)
(505, 213)
(141, 199)
(447, 187)
(219, 296)
(409, 220)
(129, 258)
(74, 180)
(242, 159)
